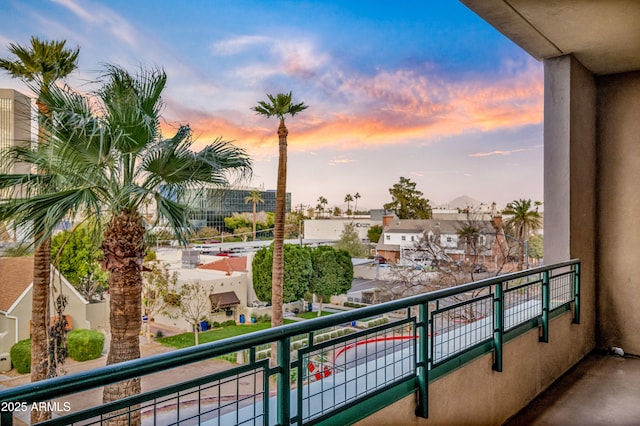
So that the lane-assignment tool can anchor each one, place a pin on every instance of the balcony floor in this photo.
(601, 389)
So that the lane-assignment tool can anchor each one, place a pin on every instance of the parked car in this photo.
(379, 259)
(479, 268)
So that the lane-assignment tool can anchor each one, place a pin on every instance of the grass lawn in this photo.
(313, 314)
(186, 340)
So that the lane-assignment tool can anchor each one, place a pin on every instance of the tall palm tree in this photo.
(322, 202)
(348, 199)
(42, 63)
(279, 106)
(254, 197)
(110, 159)
(356, 197)
(525, 219)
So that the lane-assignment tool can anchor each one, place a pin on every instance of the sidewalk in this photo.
(93, 397)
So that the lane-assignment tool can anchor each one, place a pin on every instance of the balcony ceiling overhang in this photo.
(604, 35)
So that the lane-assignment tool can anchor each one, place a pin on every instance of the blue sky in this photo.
(420, 89)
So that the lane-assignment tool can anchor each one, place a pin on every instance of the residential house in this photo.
(426, 241)
(16, 282)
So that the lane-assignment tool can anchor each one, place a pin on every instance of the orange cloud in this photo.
(387, 109)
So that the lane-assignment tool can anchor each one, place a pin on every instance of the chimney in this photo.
(497, 221)
(386, 220)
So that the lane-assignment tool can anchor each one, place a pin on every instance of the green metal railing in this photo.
(322, 375)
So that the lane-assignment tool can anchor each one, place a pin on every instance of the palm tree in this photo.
(322, 202)
(279, 106)
(524, 220)
(356, 197)
(44, 62)
(254, 197)
(111, 158)
(348, 199)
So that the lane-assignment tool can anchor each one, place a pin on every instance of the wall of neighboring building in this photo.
(8, 332)
(331, 229)
(618, 203)
(236, 282)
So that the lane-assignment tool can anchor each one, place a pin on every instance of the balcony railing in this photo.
(331, 369)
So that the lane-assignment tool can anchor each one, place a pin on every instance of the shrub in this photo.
(228, 323)
(21, 356)
(85, 344)
(159, 334)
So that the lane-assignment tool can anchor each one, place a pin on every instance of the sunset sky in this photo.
(420, 89)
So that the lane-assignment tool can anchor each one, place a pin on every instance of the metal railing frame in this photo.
(60, 386)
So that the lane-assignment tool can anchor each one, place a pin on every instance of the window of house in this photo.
(387, 237)
(404, 238)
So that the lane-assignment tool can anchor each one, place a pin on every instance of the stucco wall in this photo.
(476, 395)
(570, 179)
(619, 202)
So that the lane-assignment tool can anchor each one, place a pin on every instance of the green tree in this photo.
(254, 198)
(350, 241)
(77, 255)
(322, 204)
(374, 233)
(42, 63)
(524, 219)
(237, 220)
(194, 305)
(279, 106)
(157, 283)
(536, 246)
(407, 202)
(348, 199)
(297, 272)
(332, 273)
(110, 155)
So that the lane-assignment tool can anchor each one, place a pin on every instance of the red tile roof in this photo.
(16, 273)
(227, 264)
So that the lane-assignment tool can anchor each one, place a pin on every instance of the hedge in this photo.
(21, 356)
(85, 344)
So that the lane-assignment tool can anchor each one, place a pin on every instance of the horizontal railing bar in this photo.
(59, 386)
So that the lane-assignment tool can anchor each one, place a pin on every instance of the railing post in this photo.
(422, 410)
(6, 418)
(546, 290)
(284, 387)
(576, 293)
(498, 329)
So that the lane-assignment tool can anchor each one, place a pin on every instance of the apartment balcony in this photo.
(473, 354)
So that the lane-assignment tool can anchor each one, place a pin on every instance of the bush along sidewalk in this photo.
(85, 344)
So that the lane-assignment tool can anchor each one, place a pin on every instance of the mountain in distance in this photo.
(465, 202)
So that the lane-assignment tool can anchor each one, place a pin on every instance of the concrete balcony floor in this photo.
(600, 390)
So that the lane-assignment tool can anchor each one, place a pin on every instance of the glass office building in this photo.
(211, 205)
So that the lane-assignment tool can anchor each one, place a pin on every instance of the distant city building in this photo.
(15, 126)
(210, 205)
(15, 130)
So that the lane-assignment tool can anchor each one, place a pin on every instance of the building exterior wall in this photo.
(474, 394)
(15, 125)
(8, 333)
(211, 205)
(618, 203)
(570, 185)
(331, 229)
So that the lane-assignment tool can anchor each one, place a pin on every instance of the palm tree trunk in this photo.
(40, 319)
(277, 275)
(123, 246)
(254, 219)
